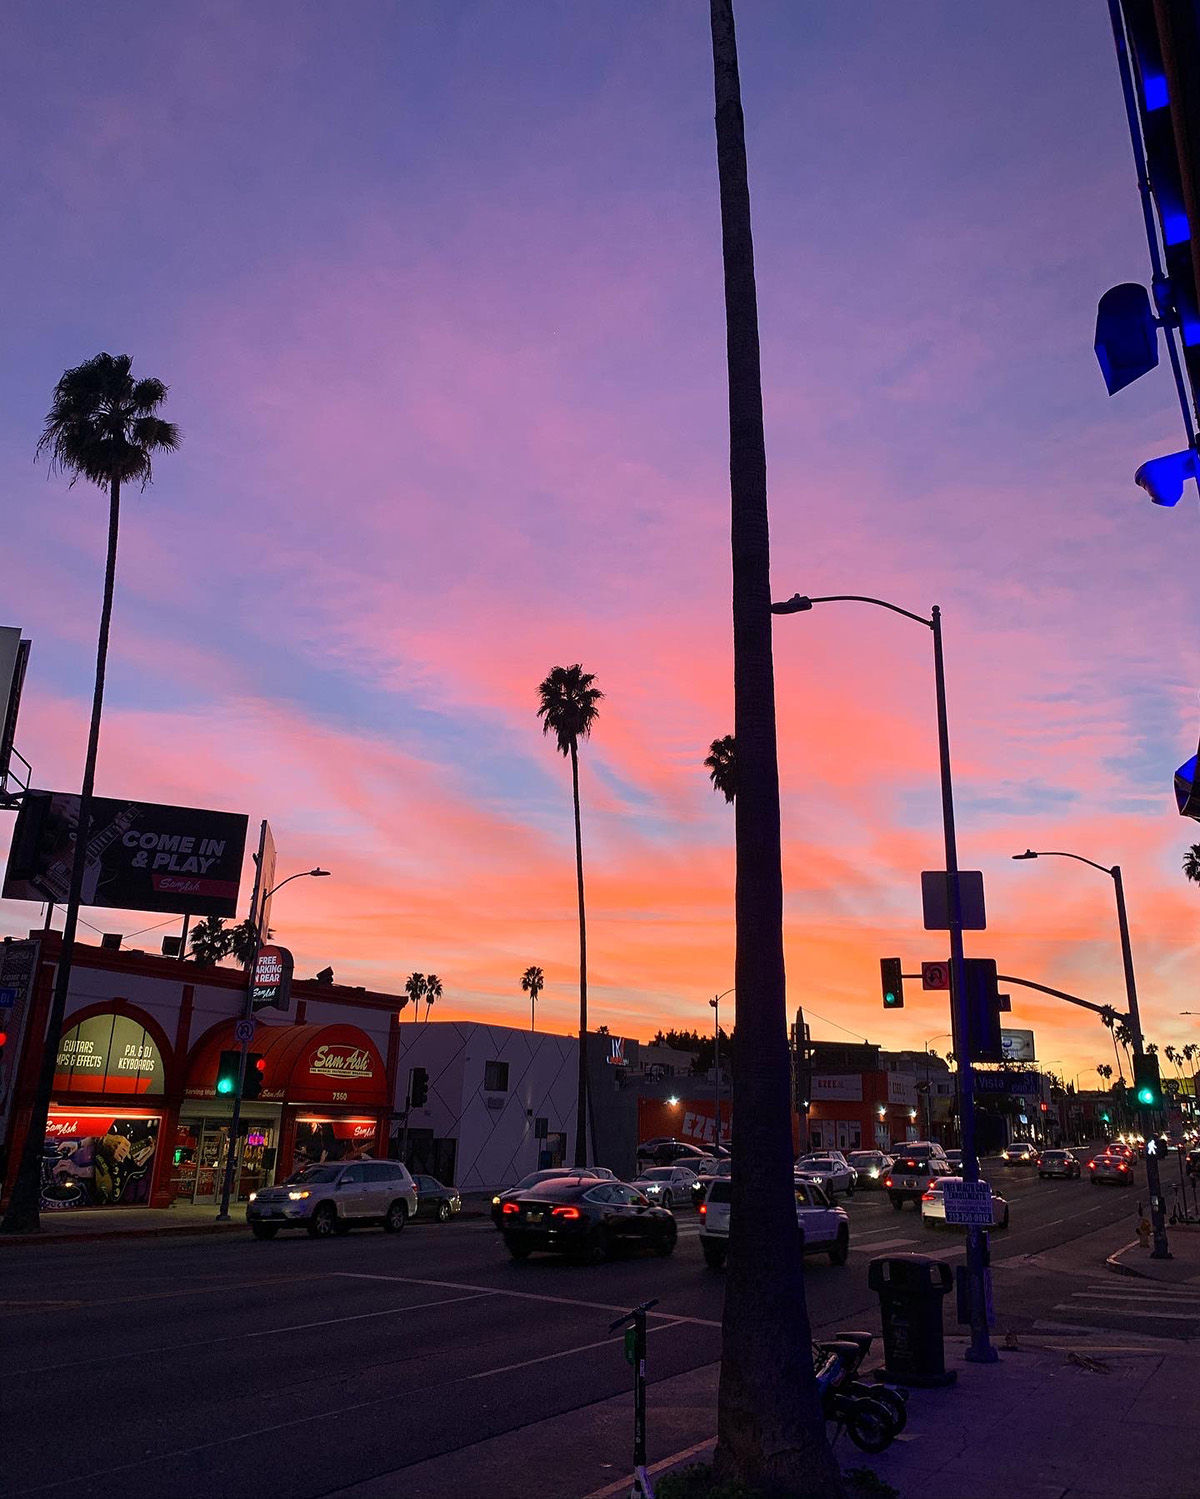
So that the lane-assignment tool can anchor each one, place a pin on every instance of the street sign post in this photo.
(243, 1031)
(968, 1203)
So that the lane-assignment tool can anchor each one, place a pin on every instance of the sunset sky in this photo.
(436, 288)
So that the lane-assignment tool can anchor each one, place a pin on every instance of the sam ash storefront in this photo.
(135, 1119)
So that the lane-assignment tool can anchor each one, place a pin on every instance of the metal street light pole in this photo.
(258, 905)
(980, 1350)
(716, 1004)
(928, 1084)
(1158, 1217)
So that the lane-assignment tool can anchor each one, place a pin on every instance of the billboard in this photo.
(141, 856)
(1018, 1046)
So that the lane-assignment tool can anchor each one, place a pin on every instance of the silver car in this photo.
(666, 1185)
(333, 1197)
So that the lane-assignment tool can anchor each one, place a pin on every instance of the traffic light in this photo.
(893, 984)
(418, 1088)
(256, 1066)
(984, 1043)
(1147, 1087)
(227, 1073)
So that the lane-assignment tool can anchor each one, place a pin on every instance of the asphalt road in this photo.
(221, 1366)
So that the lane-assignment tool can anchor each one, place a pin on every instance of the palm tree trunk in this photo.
(23, 1210)
(769, 1425)
(581, 1100)
(1117, 1054)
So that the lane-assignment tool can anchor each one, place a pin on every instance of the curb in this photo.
(1113, 1263)
(95, 1236)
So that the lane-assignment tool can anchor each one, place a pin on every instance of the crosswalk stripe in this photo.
(1138, 1296)
(885, 1244)
(1116, 1311)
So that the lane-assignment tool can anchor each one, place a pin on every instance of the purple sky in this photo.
(436, 288)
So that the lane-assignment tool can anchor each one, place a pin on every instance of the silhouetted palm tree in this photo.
(1124, 1035)
(414, 987)
(1105, 1071)
(1191, 864)
(1108, 1018)
(433, 991)
(568, 709)
(243, 941)
(533, 981)
(721, 764)
(103, 427)
(1190, 1052)
(770, 1432)
(210, 941)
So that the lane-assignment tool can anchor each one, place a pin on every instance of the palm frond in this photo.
(101, 425)
(568, 706)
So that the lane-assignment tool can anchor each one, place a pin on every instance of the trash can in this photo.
(911, 1288)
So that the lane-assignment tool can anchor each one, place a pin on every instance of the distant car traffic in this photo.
(700, 1186)
(333, 1197)
(1123, 1151)
(1020, 1153)
(435, 1200)
(665, 1152)
(1058, 1163)
(826, 1228)
(586, 1218)
(830, 1169)
(914, 1169)
(871, 1165)
(600, 1173)
(1110, 1168)
(954, 1159)
(933, 1205)
(666, 1185)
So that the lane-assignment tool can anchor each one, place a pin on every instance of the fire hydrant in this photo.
(1143, 1233)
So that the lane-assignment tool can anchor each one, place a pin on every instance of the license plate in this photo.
(533, 1217)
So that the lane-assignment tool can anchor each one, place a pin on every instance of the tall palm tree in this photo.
(433, 991)
(769, 1426)
(103, 426)
(243, 942)
(414, 987)
(533, 981)
(1190, 1052)
(1108, 1018)
(721, 764)
(1191, 864)
(210, 941)
(568, 709)
(1124, 1035)
(1105, 1071)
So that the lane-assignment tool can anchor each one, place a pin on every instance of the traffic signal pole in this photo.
(981, 1350)
(1158, 1217)
(232, 1149)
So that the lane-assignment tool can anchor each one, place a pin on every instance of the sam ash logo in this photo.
(336, 1062)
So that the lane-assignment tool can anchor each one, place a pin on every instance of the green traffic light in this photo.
(889, 999)
(1146, 1095)
(224, 1085)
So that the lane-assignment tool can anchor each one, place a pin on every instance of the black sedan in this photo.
(588, 1219)
(551, 1173)
(434, 1200)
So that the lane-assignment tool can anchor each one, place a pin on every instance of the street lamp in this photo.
(941, 1035)
(715, 1002)
(1158, 1218)
(258, 907)
(981, 1350)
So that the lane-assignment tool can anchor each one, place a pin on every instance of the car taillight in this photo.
(565, 1213)
(930, 1188)
(1124, 1167)
(702, 1209)
(1091, 1165)
(887, 1181)
(510, 1207)
(928, 1196)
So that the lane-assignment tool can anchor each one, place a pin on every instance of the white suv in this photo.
(333, 1197)
(825, 1228)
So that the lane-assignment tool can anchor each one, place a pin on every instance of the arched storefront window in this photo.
(102, 1153)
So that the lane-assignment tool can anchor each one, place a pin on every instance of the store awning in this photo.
(309, 1064)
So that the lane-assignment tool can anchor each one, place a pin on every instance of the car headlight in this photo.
(298, 1196)
(252, 1196)
(874, 1170)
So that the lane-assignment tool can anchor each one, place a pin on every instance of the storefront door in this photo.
(200, 1173)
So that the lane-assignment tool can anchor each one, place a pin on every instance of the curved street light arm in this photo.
(799, 603)
(1058, 853)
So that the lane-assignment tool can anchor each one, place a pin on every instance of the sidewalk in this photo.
(1183, 1268)
(81, 1225)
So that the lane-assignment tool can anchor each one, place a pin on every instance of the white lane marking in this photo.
(1074, 1306)
(237, 1337)
(390, 1311)
(1176, 1297)
(886, 1244)
(458, 1285)
(546, 1358)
